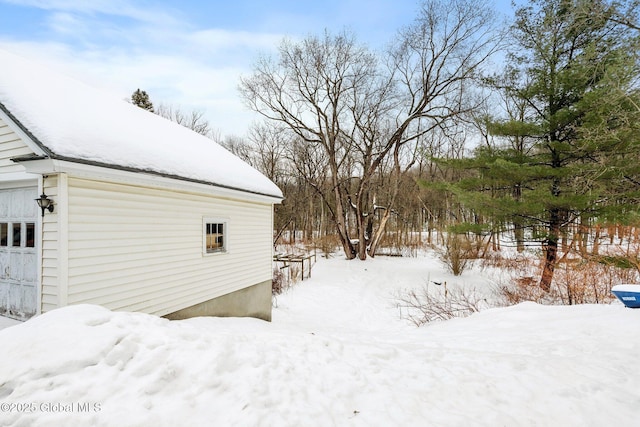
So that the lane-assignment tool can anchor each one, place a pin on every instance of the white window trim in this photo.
(226, 233)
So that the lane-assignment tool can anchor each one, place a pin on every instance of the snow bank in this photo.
(5, 322)
(526, 365)
(626, 288)
(81, 122)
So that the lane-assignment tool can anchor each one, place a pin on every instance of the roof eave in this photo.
(49, 165)
(23, 132)
(45, 161)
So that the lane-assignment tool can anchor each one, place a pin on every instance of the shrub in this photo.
(590, 282)
(283, 279)
(524, 288)
(328, 244)
(456, 253)
(279, 282)
(575, 282)
(428, 304)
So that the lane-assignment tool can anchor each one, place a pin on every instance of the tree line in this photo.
(464, 123)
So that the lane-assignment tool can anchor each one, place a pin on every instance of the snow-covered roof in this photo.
(73, 121)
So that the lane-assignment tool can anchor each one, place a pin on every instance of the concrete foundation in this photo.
(254, 301)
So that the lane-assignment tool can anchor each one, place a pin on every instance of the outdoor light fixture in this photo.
(45, 203)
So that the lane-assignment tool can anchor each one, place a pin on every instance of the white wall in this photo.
(52, 256)
(137, 248)
(11, 146)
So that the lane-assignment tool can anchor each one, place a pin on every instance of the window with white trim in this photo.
(215, 235)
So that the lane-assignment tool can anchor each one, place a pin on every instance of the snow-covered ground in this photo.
(336, 354)
(5, 322)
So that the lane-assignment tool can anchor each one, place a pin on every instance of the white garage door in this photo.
(18, 256)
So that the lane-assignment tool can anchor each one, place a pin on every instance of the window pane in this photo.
(4, 234)
(16, 234)
(214, 238)
(31, 235)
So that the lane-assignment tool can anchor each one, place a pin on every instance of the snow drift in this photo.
(527, 365)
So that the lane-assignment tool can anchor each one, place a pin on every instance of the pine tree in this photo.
(570, 150)
(141, 99)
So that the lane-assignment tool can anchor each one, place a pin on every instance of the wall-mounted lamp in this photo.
(45, 203)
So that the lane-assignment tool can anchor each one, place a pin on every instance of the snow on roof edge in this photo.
(70, 120)
(24, 129)
(53, 156)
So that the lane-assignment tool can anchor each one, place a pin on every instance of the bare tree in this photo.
(193, 120)
(269, 144)
(349, 114)
(240, 147)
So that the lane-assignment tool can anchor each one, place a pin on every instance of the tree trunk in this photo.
(596, 241)
(362, 244)
(518, 232)
(551, 250)
(361, 219)
(340, 220)
(551, 256)
(583, 237)
(377, 236)
(397, 174)
(347, 246)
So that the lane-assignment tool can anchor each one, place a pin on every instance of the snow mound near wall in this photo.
(519, 366)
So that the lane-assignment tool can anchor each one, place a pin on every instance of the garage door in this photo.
(18, 256)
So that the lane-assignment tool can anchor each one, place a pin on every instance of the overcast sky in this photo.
(185, 53)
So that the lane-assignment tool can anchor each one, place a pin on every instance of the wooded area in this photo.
(525, 132)
(522, 133)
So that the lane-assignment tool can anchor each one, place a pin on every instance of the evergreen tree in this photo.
(572, 147)
(194, 120)
(141, 99)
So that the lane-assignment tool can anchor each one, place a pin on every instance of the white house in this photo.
(146, 215)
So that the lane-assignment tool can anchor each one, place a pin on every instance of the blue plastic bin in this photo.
(628, 294)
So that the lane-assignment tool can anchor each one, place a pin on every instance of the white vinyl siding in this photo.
(11, 146)
(140, 249)
(51, 297)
